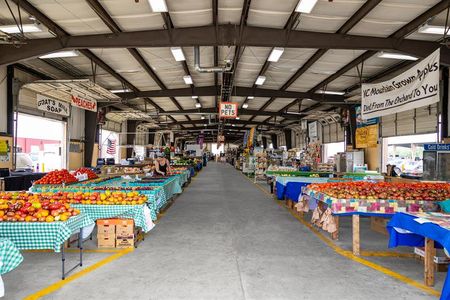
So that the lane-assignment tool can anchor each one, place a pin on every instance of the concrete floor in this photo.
(222, 239)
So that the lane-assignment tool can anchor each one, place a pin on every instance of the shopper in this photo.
(162, 165)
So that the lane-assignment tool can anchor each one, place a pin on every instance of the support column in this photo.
(264, 141)
(90, 137)
(288, 137)
(444, 105)
(274, 141)
(351, 129)
(131, 135)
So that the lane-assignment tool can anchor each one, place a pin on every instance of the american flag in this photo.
(111, 147)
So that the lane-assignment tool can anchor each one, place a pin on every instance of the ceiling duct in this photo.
(215, 69)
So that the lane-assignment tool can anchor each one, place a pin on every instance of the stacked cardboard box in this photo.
(115, 233)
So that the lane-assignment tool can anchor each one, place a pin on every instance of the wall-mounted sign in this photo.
(436, 147)
(51, 105)
(360, 122)
(228, 110)
(312, 130)
(366, 137)
(84, 103)
(416, 87)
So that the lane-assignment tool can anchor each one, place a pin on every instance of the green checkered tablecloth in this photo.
(135, 212)
(172, 187)
(40, 235)
(10, 256)
(155, 201)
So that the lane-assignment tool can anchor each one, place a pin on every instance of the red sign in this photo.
(228, 110)
(84, 103)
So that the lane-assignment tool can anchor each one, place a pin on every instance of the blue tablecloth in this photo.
(416, 238)
(291, 187)
(192, 171)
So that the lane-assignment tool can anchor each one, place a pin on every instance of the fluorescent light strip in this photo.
(396, 56)
(194, 97)
(245, 105)
(250, 97)
(198, 105)
(432, 29)
(120, 91)
(188, 79)
(60, 54)
(158, 5)
(177, 53)
(305, 6)
(260, 80)
(11, 29)
(275, 54)
(330, 92)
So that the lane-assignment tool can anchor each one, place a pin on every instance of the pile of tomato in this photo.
(91, 174)
(57, 177)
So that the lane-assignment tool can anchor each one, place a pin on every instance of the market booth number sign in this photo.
(51, 105)
(228, 110)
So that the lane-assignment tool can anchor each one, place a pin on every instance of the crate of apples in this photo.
(57, 177)
(385, 190)
(106, 198)
(35, 209)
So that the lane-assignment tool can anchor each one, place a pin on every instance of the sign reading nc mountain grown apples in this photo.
(416, 87)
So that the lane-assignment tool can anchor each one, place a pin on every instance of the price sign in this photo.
(228, 110)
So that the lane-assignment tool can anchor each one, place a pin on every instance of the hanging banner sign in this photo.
(312, 130)
(51, 105)
(84, 103)
(366, 137)
(416, 87)
(251, 136)
(228, 110)
(360, 122)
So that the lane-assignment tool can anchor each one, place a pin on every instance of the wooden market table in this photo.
(423, 230)
(365, 208)
(45, 236)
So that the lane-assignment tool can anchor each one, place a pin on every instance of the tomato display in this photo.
(25, 207)
(57, 177)
(91, 174)
(384, 190)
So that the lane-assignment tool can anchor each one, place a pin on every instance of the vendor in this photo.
(162, 165)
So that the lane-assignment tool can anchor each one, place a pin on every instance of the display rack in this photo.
(261, 166)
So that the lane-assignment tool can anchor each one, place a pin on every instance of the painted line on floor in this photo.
(349, 254)
(59, 284)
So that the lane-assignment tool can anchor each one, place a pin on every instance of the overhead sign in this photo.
(436, 147)
(84, 103)
(312, 130)
(416, 87)
(51, 105)
(228, 110)
(360, 122)
(366, 137)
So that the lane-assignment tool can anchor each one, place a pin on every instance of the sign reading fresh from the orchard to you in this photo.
(84, 103)
(416, 87)
(51, 105)
(228, 110)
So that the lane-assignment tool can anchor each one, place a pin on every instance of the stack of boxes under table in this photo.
(115, 233)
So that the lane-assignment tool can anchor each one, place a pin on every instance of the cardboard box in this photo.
(106, 241)
(124, 227)
(378, 224)
(125, 242)
(106, 227)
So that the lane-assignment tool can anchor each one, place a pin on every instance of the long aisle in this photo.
(226, 239)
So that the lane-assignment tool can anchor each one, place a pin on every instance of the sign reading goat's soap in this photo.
(51, 105)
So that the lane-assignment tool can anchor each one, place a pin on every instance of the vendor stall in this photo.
(428, 230)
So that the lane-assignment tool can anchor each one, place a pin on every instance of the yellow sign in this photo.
(367, 137)
(250, 137)
(4, 148)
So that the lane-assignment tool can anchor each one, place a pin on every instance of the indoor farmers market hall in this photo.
(224, 149)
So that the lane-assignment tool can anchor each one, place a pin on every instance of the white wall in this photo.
(3, 101)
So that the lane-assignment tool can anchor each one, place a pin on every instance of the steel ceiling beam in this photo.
(114, 27)
(237, 91)
(400, 34)
(226, 35)
(352, 21)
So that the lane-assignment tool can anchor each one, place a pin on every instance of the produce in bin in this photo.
(25, 207)
(106, 198)
(57, 177)
(91, 174)
(119, 188)
(384, 190)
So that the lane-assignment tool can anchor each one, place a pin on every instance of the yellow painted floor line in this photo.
(57, 285)
(349, 254)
